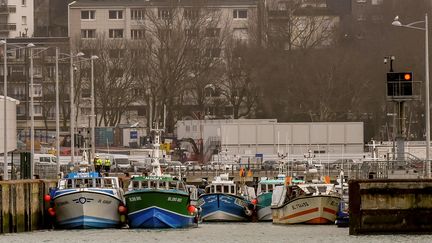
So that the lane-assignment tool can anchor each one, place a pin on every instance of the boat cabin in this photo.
(228, 188)
(87, 180)
(265, 186)
(156, 182)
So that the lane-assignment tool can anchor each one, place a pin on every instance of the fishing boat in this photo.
(159, 200)
(223, 200)
(264, 196)
(87, 200)
(309, 203)
(312, 200)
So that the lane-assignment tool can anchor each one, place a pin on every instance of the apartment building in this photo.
(118, 19)
(300, 24)
(50, 18)
(129, 20)
(18, 68)
(16, 18)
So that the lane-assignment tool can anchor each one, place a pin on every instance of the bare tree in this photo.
(299, 27)
(183, 46)
(238, 87)
(113, 77)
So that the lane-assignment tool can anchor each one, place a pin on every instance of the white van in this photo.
(45, 159)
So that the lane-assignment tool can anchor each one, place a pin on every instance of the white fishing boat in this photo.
(312, 202)
(305, 203)
(87, 200)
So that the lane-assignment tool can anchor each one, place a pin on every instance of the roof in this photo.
(17, 102)
(129, 3)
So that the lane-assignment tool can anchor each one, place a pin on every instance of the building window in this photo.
(116, 33)
(191, 13)
(24, 2)
(164, 13)
(88, 34)
(24, 20)
(240, 34)
(115, 14)
(212, 32)
(37, 110)
(37, 90)
(19, 91)
(137, 34)
(240, 14)
(37, 71)
(137, 14)
(88, 14)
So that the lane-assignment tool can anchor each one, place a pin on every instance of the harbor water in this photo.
(213, 232)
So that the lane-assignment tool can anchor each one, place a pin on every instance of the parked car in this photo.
(175, 166)
(270, 165)
(192, 165)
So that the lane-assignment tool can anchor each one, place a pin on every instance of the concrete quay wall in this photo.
(21, 205)
(390, 206)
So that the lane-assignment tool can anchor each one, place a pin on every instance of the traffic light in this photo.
(399, 84)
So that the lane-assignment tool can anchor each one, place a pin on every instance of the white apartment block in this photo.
(124, 19)
(16, 18)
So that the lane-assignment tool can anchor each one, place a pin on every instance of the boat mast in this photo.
(156, 170)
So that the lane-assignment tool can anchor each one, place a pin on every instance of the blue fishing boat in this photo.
(223, 201)
(87, 200)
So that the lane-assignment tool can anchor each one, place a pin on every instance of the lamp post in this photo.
(5, 164)
(5, 80)
(72, 102)
(57, 109)
(92, 119)
(396, 22)
(31, 113)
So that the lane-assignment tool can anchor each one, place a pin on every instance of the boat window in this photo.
(67, 184)
(226, 189)
(108, 182)
(135, 184)
(218, 189)
(82, 183)
(311, 189)
(98, 182)
(208, 189)
(270, 187)
(322, 189)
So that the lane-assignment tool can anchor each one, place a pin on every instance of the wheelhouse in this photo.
(163, 183)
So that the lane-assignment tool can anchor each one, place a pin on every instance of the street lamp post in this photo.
(396, 22)
(57, 109)
(5, 164)
(31, 115)
(72, 102)
(93, 144)
(5, 80)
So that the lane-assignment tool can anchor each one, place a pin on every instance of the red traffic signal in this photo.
(402, 76)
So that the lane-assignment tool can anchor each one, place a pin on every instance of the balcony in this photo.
(5, 9)
(7, 27)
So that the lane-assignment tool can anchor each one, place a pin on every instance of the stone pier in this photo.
(390, 206)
